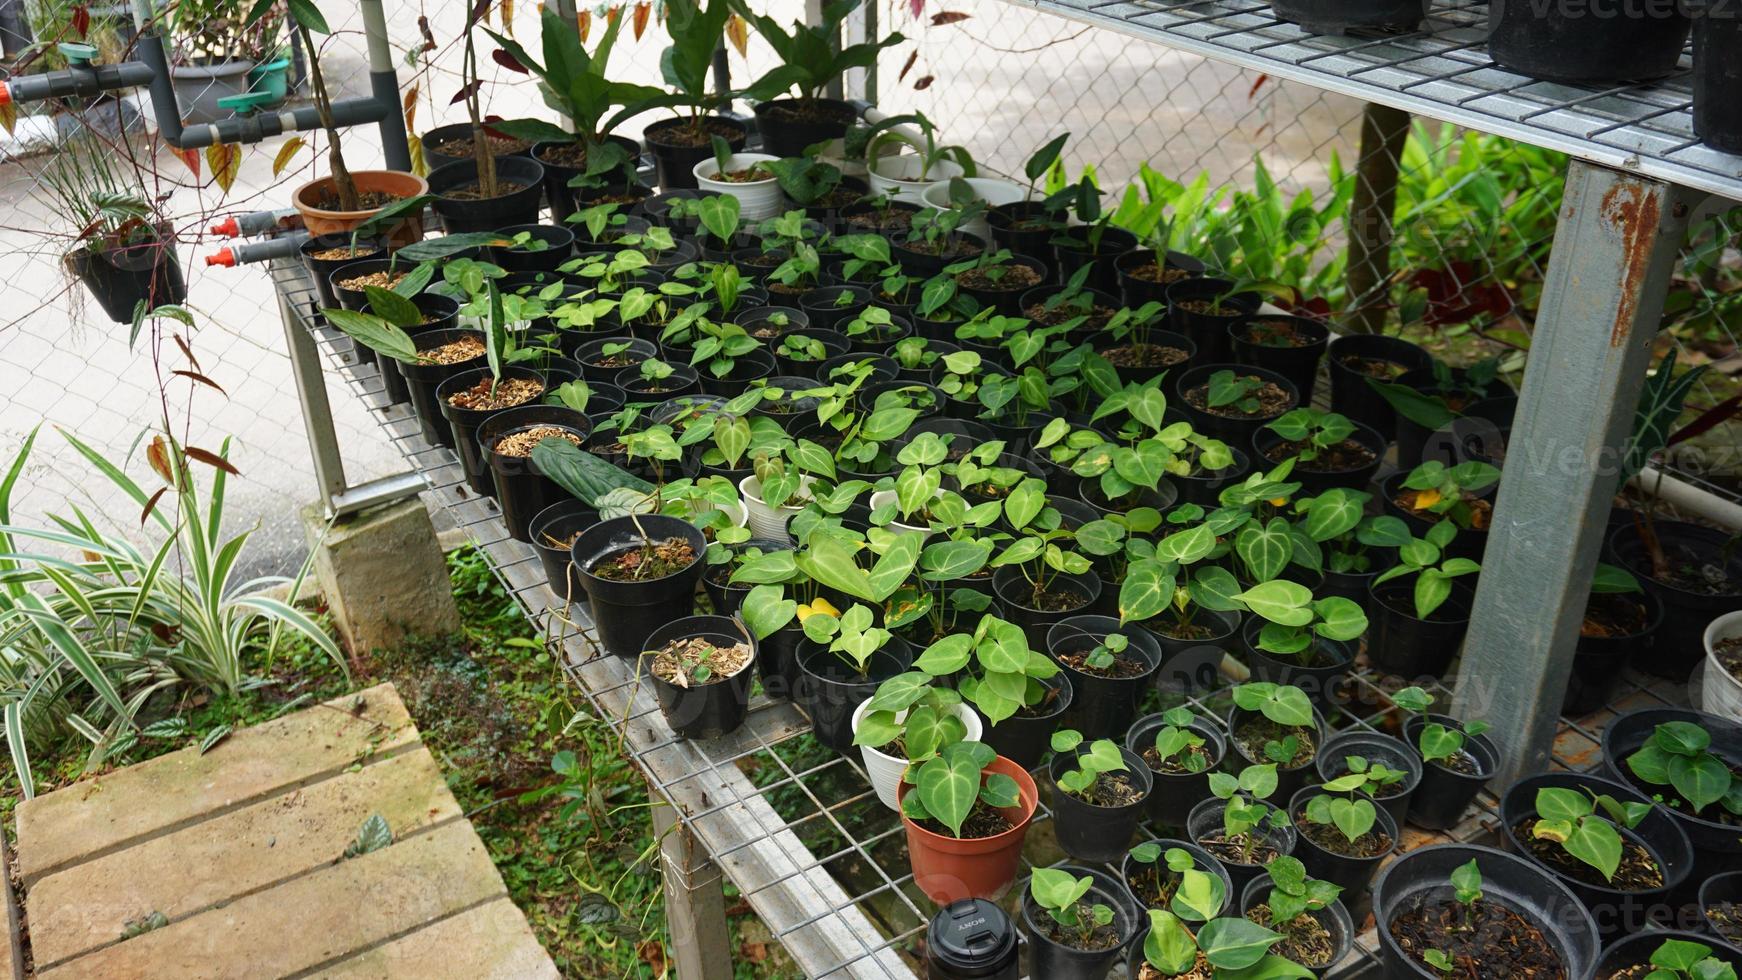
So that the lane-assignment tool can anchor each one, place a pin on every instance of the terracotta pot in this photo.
(322, 222)
(949, 870)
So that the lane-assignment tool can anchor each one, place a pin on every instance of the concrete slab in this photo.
(240, 852)
(97, 816)
(490, 942)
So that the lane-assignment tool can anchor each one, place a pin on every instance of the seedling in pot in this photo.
(952, 785)
(1677, 757)
(1092, 781)
(1441, 744)
(1134, 329)
(1042, 162)
(1293, 897)
(1371, 778)
(1315, 433)
(1448, 398)
(1679, 959)
(850, 637)
(1039, 548)
(1178, 747)
(1294, 618)
(1172, 878)
(1285, 733)
(1569, 818)
(1232, 948)
(1433, 578)
(694, 662)
(1231, 392)
(806, 182)
(1003, 675)
(930, 723)
(1062, 894)
(1336, 520)
(1470, 937)
(1353, 817)
(1450, 491)
(872, 323)
(1245, 815)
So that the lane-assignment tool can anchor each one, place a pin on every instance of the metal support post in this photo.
(1372, 214)
(695, 904)
(1603, 297)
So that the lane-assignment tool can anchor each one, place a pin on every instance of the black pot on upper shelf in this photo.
(625, 613)
(1375, 748)
(1445, 793)
(1143, 280)
(1403, 644)
(1616, 911)
(1175, 793)
(713, 708)
(465, 421)
(520, 181)
(1053, 960)
(522, 490)
(558, 246)
(554, 526)
(1322, 473)
(1025, 738)
(1289, 345)
(1691, 548)
(1422, 878)
(1289, 780)
(1600, 661)
(677, 149)
(1016, 593)
(1573, 43)
(439, 144)
(560, 167)
(1717, 76)
(1353, 358)
(1330, 861)
(1205, 820)
(1072, 250)
(1104, 705)
(788, 126)
(1208, 328)
(829, 689)
(1336, 918)
(1717, 846)
(1340, 16)
(1090, 831)
(1321, 679)
(1235, 430)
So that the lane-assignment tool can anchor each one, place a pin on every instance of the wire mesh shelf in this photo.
(1443, 72)
(796, 827)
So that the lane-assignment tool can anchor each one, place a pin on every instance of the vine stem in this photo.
(341, 174)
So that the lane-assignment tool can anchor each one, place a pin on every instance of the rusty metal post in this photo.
(1372, 213)
(1603, 297)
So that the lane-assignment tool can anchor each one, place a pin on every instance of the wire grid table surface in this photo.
(1442, 71)
(797, 828)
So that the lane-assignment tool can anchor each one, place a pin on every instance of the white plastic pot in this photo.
(991, 190)
(1721, 692)
(885, 770)
(882, 497)
(765, 521)
(900, 175)
(757, 200)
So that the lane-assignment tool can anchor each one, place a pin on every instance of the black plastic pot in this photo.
(1401, 644)
(1322, 683)
(1004, 219)
(522, 491)
(1717, 78)
(559, 245)
(1340, 16)
(1352, 873)
(590, 353)
(1056, 962)
(1717, 846)
(1104, 706)
(1007, 301)
(1422, 877)
(835, 344)
(829, 689)
(1136, 291)
(121, 277)
(435, 144)
(924, 264)
(1615, 911)
(674, 161)
(726, 595)
(625, 614)
(1288, 781)
(1443, 796)
(1316, 481)
(1635, 951)
(1096, 833)
(1024, 740)
(788, 126)
(1208, 330)
(465, 422)
(1192, 663)
(321, 270)
(1300, 365)
(756, 318)
(1337, 919)
(682, 381)
(923, 371)
(1205, 487)
(1351, 395)
(557, 192)
(884, 369)
(1719, 889)
(559, 521)
(517, 207)
(1203, 860)
(748, 367)
(1235, 431)
(1599, 661)
(708, 710)
(801, 409)
(1375, 747)
(1072, 250)
(1467, 543)
(1176, 793)
(441, 313)
(1206, 818)
(422, 381)
(1587, 44)
(1680, 642)
(777, 661)
(1009, 581)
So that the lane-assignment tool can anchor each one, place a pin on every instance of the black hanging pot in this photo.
(1233, 429)
(1445, 793)
(829, 689)
(325, 253)
(1194, 311)
(1692, 600)
(1320, 678)
(1144, 280)
(557, 245)
(1587, 44)
(1089, 831)
(520, 181)
(1176, 791)
(677, 148)
(1025, 737)
(1600, 661)
(625, 613)
(1205, 821)
(522, 490)
(1054, 960)
(789, 126)
(1289, 345)
(564, 161)
(1353, 358)
(123, 276)
(1403, 644)
(1336, 918)
(1374, 747)
(550, 533)
(465, 421)
(1354, 468)
(1105, 705)
(1342, 16)
(716, 707)
(1717, 846)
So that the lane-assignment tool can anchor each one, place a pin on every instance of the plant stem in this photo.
(342, 182)
(481, 154)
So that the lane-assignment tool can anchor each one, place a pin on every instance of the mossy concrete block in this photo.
(383, 575)
(490, 942)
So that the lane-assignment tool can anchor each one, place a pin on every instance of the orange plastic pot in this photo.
(948, 869)
(320, 221)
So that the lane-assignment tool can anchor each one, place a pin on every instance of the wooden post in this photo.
(1372, 212)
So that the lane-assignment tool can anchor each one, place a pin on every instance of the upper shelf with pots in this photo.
(1445, 68)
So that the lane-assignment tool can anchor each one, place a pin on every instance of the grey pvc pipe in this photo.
(88, 82)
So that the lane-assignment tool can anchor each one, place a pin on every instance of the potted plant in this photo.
(1204, 308)
(745, 176)
(1298, 640)
(1110, 665)
(640, 572)
(123, 255)
(1457, 760)
(1226, 947)
(487, 192)
(1020, 692)
(1434, 493)
(1078, 921)
(1038, 581)
(1721, 691)
(1418, 628)
(1289, 345)
(812, 57)
(842, 661)
(1330, 450)
(904, 176)
(1721, 905)
(1468, 912)
(682, 143)
(1139, 349)
(701, 673)
(1685, 761)
(1086, 252)
(1316, 929)
(1179, 877)
(1237, 827)
(1027, 225)
(1343, 835)
(1670, 956)
(1351, 359)
(508, 440)
(1621, 624)
(1180, 749)
(818, 188)
(1276, 724)
(216, 46)
(1389, 770)
(1100, 793)
(1349, 539)
(1233, 403)
(912, 718)
(966, 813)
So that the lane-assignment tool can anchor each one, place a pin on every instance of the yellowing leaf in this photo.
(285, 152)
(419, 166)
(738, 33)
(191, 157)
(410, 105)
(507, 13)
(584, 22)
(8, 115)
(225, 160)
(1426, 498)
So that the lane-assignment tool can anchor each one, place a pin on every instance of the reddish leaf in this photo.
(480, 10)
(428, 37)
(907, 65)
(639, 23)
(81, 20)
(944, 17)
(467, 92)
(157, 454)
(191, 157)
(202, 379)
(915, 8)
(507, 61)
(584, 24)
(188, 352)
(1710, 419)
(923, 83)
(151, 505)
(212, 459)
(1257, 85)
